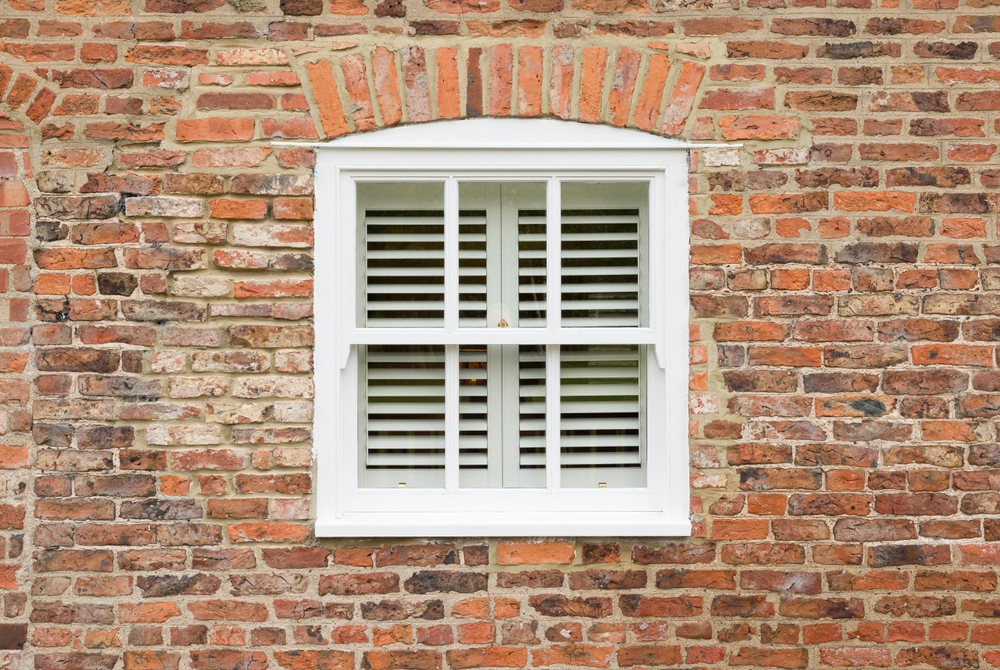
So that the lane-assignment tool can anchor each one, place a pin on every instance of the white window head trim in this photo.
(501, 150)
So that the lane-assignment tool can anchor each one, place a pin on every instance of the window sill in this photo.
(501, 524)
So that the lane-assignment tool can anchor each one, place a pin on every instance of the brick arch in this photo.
(23, 104)
(383, 86)
(23, 97)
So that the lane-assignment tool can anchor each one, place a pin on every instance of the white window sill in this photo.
(561, 524)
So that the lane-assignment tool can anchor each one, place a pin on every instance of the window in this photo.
(501, 316)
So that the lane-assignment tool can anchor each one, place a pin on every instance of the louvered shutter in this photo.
(531, 415)
(404, 416)
(474, 368)
(602, 408)
(502, 388)
(531, 275)
(600, 267)
(401, 240)
(601, 415)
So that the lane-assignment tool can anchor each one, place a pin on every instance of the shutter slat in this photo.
(606, 322)
(384, 272)
(583, 460)
(391, 289)
(606, 271)
(605, 287)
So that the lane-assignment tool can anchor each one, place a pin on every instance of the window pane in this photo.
(531, 416)
(501, 254)
(402, 415)
(604, 258)
(531, 276)
(473, 416)
(602, 422)
(473, 248)
(402, 243)
(501, 416)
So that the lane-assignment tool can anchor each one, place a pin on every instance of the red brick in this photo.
(215, 130)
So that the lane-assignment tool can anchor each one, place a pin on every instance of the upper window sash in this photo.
(554, 333)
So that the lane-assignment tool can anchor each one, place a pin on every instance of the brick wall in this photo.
(155, 339)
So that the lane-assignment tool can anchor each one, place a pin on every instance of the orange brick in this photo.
(534, 553)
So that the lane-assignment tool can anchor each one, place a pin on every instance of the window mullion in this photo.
(451, 255)
(506, 285)
(451, 429)
(553, 256)
(553, 314)
(451, 364)
(552, 419)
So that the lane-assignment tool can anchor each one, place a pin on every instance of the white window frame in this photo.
(501, 150)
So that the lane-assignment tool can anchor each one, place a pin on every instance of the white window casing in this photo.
(496, 151)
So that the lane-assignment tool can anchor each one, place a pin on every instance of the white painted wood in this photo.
(501, 150)
(553, 416)
(553, 326)
(451, 418)
(556, 335)
(500, 524)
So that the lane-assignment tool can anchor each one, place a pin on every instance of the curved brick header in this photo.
(156, 473)
(558, 81)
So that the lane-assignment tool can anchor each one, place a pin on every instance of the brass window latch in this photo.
(503, 324)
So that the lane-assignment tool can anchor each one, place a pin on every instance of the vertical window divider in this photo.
(553, 313)
(451, 255)
(451, 371)
(451, 418)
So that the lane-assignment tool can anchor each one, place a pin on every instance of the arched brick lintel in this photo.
(25, 100)
(368, 89)
(23, 104)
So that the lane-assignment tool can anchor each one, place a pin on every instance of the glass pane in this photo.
(472, 259)
(473, 416)
(531, 419)
(401, 242)
(604, 258)
(402, 415)
(602, 423)
(531, 276)
(501, 254)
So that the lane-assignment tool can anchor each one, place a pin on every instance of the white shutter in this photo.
(404, 269)
(472, 257)
(601, 423)
(602, 394)
(502, 260)
(531, 415)
(531, 276)
(401, 256)
(600, 267)
(403, 430)
(404, 416)
(473, 416)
